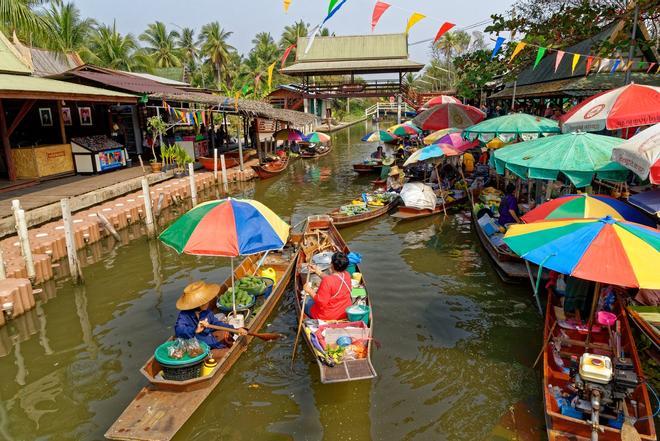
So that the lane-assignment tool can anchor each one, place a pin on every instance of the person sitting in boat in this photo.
(400, 152)
(196, 314)
(395, 179)
(378, 154)
(509, 212)
(333, 295)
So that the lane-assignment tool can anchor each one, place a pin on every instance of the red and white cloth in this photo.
(641, 154)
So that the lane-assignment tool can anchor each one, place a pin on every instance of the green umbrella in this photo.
(508, 127)
(577, 155)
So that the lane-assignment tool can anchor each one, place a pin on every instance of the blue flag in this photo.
(496, 49)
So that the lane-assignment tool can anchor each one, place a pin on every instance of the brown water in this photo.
(456, 343)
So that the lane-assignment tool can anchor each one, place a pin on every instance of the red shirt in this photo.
(333, 297)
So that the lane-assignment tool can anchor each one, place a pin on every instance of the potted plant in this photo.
(182, 159)
(157, 127)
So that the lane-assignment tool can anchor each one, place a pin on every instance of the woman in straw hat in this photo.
(395, 180)
(195, 305)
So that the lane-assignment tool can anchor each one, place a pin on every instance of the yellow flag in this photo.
(576, 58)
(414, 18)
(236, 100)
(628, 66)
(270, 75)
(517, 50)
(287, 3)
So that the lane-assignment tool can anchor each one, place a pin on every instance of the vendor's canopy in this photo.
(418, 195)
(583, 206)
(405, 129)
(641, 154)
(579, 156)
(380, 136)
(633, 105)
(648, 201)
(448, 115)
(430, 139)
(288, 135)
(602, 250)
(317, 137)
(452, 144)
(508, 127)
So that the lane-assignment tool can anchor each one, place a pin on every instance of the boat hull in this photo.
(365, 169)
(305, 155)
(232, 159)
(410, 213)
(267, 172)
(340, 220)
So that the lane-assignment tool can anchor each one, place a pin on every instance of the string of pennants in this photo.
(196, 117)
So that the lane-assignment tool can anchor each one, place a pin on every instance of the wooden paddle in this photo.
(267, 336)
(300, 319)
(547, 340)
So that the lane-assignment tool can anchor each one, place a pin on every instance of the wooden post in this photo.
(3, 273)
(240, 148)
(6, 147)
(193, 185)
(141, 164)
(148, 213)
(72, 256)
(215, 165)
(159, 204)
(22, 231)
(224, 171)
(108, 226)
(60, 120)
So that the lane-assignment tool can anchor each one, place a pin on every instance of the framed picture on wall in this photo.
(85, 114)
(46, 117)
(66, 116)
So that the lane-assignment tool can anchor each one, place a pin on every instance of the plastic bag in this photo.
(193, 348)
(354, 258)
(177, 350)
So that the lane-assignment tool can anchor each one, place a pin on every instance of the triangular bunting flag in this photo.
(287, 3)
(286, 54)
(560, 55)
(413, 20)
(312, 35)
(379, 10)
(576, 59)
(270, 75)
(616, 64)
(590, 60)
(650, 67)
(443, 29)
(332, 5)
(539, 56)
(604, 64)
(520, 46)
(496, 49)
(627, 66)
(333, 12)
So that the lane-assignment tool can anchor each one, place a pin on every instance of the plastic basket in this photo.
(269, 287)
(239, 307)
(182, 373)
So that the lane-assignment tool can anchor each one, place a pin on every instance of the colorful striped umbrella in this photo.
(317, 137)
(448, 115)
(430, 139)
(288, 135)
(641, 154)
(380, 136)
(582, 206)
(509, 127)
(227, 227)
(405, 129)
(442, 99)
(601, 250)
(633, 105)
(452, 144)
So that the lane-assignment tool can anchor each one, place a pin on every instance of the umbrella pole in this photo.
(437, 173)
(233, 293)
(594, 303)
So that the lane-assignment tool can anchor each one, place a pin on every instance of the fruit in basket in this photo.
(242, 298)
(251, 284)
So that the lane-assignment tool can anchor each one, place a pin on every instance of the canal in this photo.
(456, 344)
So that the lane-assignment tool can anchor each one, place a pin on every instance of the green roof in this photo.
(10, 60)
(27, 87)
(353, 47)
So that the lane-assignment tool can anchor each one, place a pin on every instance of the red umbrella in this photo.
(633, 105)
(448, 115)
(436, 101)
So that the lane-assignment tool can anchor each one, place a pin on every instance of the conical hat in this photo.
(197, 294)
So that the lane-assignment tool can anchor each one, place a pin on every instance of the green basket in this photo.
(162, 355)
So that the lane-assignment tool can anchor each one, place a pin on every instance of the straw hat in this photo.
(388, 161)
(197, 294)
(394, 171)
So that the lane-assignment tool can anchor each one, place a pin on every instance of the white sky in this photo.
(248, 17)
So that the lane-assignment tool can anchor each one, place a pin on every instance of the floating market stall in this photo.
(97, 154)
(510, 128)
(43, 161)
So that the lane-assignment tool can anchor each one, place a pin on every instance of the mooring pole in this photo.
(71, 252)
(224, 172)
(215, 165)
(22, 231)
(148, 213)
(193, 185)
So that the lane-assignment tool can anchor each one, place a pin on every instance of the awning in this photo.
(27, 87)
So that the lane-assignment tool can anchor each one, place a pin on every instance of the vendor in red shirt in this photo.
(333, 296)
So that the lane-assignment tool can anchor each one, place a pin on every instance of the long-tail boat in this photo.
(271, 169)
(411, 213)
(232, 159)
(162, 407)
(588, 379)
(367, 168)
(321, 235)
(340, 219)
(315, 151)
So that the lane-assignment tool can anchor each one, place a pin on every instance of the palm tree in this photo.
(111, 49)
(290, 36)
(69, 31)
(160, 45)
(214, 47)
(20, 16)
(186, 45)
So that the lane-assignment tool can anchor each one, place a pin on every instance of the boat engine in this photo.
(601, 385)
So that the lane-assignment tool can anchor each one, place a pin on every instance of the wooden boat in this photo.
(271, 169)
(162, 407)
(362, 168)
(645, 318)
(321, 227)
(411, 213)
(509, 266)
(320, 150)
(379, 184)
(343, 220)
(563, 341)
(232, 159)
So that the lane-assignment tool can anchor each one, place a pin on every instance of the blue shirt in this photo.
(186, 324)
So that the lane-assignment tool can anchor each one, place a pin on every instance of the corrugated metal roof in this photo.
(354, 66)
(48, 63)
(156, 78)
(354, 47)
(130, 83)
(27, 87)
(10, 59)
